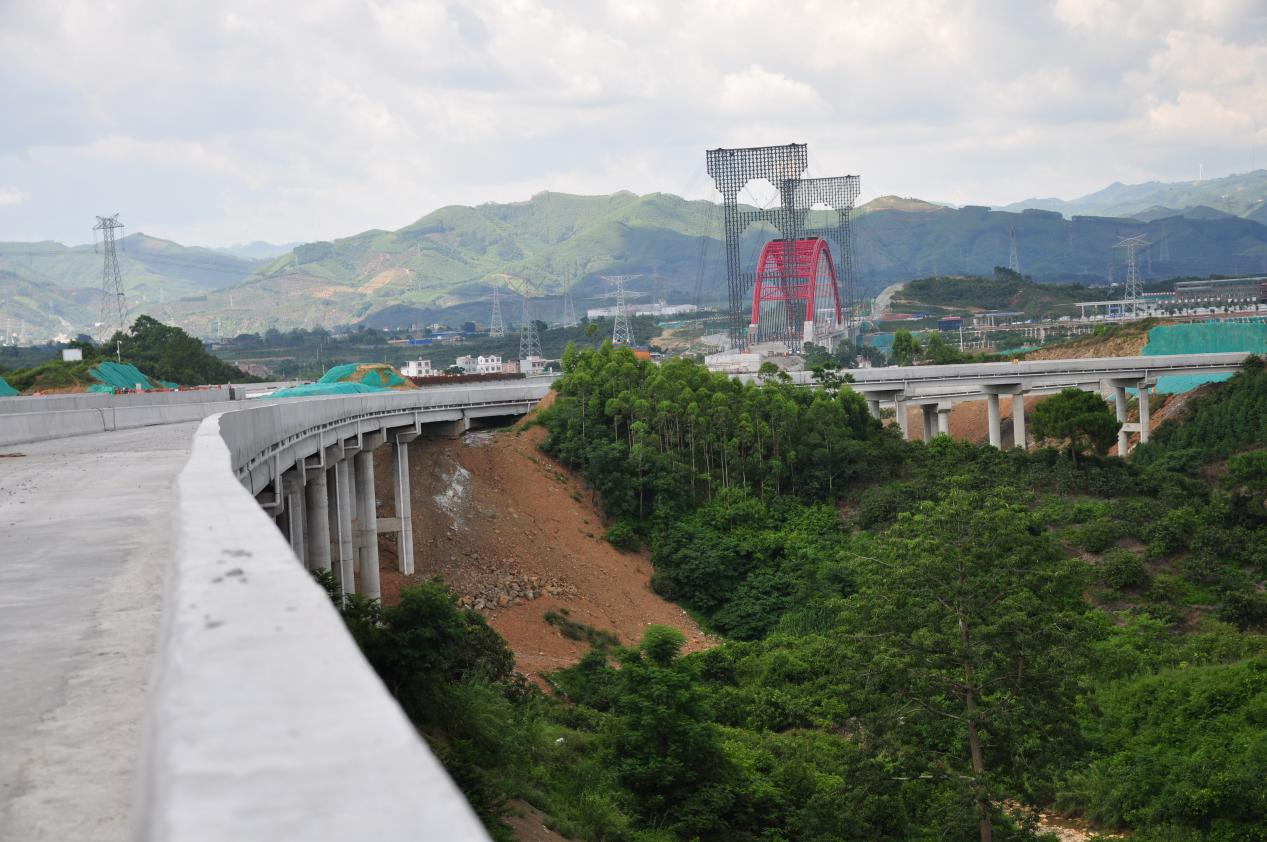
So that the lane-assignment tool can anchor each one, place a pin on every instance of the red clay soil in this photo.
(516, 535)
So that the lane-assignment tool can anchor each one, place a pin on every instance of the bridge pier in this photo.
(1119, 403)
(1144, 413)
(317, 519)
(992, 412)
(400, 484)
(1019, 438)
(368, 516)
(873, 404)
(344, 506)
(930, 421)
(943, 419)
(293, 486)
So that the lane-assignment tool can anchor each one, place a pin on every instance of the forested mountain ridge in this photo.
(460, 254)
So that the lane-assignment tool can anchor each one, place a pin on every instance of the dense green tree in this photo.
(168, 353)
(1077, 420)
(905, 347)
(971, 622)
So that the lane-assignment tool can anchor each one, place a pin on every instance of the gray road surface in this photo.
(84, 534)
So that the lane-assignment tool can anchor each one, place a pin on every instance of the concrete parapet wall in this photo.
(23, 427)
(67, 403)
(264, 720)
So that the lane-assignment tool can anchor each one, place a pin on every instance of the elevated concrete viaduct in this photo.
(261, 721)
(936, 388)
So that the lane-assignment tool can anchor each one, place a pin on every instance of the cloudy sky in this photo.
(228, 121)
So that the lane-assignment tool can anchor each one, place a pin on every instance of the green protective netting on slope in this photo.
(1209, 337)
(321, 390)
(118, 376)
(6, 391)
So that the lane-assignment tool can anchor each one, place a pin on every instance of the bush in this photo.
(623, 536)
(1098, 535)
(1121, 568)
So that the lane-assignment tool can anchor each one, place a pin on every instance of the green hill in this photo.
(457, 255)
(48, 288)
(1238, 194)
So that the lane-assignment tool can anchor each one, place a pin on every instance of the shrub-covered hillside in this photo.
(919, 641)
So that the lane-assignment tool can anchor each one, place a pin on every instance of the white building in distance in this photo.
(417, 368)
(491, 364)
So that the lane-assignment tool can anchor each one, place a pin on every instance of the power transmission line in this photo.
(111, 277)
(1013, 259)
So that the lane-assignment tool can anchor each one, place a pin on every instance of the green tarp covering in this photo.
(318, 390)
(1209, 337)
(383, 376)
(6, 391)
(118, 377)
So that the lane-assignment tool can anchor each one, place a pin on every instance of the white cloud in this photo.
(11, 196)
(237, 120)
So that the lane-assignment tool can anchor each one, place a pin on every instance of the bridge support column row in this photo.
(992, 412)
(329, 515)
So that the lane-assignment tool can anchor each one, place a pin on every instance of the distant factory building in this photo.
(1244, 292)
(950, 323)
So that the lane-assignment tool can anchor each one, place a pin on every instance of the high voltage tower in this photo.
(529, 342)
(1013, 259)
(621, 334)
(111, 277)
(495, 325)
(569, 307)
(1130, 304)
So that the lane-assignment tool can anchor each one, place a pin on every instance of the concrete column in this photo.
(1123, 437)
(344, 503)
(873, 404)
(367, 532)
(992, 407)
(930, 421)
(400, 483)
(1144, 413)
(294, 487)
(1019, 439)
(903, 423)
(317, 520)
(943, 420)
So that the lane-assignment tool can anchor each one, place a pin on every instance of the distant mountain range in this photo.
(1242, 195)
(456, 256)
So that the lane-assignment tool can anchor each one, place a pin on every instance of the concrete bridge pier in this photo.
(899, 408)
(930, 421)
(873, 404)
(317, 518)
(1019, 439)
(368, 516)
(344, 506)
(1119, 385)
(400, 484)
(293, 488)
(992, 412)
(943, 418)
(993, 391)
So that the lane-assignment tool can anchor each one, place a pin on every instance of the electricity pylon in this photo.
(111, 277)
(495, 325)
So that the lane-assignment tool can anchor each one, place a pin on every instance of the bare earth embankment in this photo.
(516, 535)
